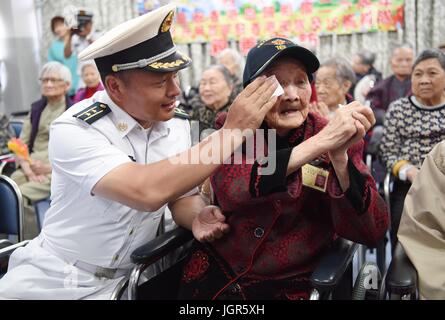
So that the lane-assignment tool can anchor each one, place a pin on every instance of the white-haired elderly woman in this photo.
(413, 126)
(333, 81)
(234, 62)
(34, 177)
(215, 96)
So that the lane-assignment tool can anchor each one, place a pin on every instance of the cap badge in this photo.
(278, 42)
(122, 126)
(166, 24)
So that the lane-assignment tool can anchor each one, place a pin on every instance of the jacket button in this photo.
(235, 288)
(259, 232)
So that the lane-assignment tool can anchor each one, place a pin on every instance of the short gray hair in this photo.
(236, 56)
(86, 63)
(56, 67)
(367, 57)
(401, 46)
(431, 54)
(343, 69)
(224, 71)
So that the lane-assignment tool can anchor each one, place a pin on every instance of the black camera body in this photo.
(83, 18)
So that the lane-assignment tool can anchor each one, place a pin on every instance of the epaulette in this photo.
(92, 113)
(181, 114)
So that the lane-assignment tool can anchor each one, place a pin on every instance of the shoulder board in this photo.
(93, 112)
(179, 113)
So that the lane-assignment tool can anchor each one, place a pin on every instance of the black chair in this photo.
(377, 169)
(40, 208)
(11, 208)
(11, 219)
(331, 280)
(401, 279)
(163, 286)
(17, 126)
(7, 164)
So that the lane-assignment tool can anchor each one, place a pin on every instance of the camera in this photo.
(82, 18)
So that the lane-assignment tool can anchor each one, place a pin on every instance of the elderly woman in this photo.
(333, 81)
(280, 224)
(91, 78)
(233, 61)
(422, 227)
(215, 89)
(34, 178)
(413, 126)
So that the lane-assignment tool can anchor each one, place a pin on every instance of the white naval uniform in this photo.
(83, 227)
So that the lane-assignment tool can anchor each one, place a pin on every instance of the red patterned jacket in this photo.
(280, 228)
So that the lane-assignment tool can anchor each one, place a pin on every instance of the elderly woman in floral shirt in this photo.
(280, 224)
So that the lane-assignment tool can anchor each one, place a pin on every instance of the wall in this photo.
(19, 55)
(423, 29)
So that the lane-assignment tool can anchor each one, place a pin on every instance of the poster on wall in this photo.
(247, 21)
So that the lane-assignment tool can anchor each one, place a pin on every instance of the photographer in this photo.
(80, 37)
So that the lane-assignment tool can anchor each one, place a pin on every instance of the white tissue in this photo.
(278, 92)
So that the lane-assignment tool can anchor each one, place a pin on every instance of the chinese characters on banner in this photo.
(217, 21)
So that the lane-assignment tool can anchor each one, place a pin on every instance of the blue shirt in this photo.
(55, 53)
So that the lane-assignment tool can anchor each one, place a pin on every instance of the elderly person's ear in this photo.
(67, 86)
(346, 85)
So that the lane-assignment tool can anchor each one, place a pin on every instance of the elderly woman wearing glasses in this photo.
(281, 223)
(34, 177)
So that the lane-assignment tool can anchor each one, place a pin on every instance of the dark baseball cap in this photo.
(264, 53)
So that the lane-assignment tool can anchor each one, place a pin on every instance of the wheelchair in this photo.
(401, 280)
(332, 279)
(373, 162)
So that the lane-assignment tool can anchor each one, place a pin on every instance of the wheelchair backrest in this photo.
(11, 208)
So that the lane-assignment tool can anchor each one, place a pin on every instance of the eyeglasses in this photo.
(52, 80)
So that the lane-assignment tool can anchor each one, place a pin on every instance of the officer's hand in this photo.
(252, 104)
(209, 224)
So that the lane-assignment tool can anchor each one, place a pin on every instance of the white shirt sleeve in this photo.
(82, 154)
(187, 134)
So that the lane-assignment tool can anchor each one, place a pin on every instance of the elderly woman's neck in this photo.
(219, 105)
(56, 99)
(434, 101)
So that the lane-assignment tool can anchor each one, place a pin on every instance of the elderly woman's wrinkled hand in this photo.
(251, 105)
(348, 126)
(209, 224)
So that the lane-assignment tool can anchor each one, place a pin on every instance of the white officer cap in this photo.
(143, 42)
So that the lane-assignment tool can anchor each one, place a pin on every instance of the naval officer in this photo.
(113, 172)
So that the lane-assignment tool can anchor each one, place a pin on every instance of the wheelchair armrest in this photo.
(401, 277)
(6, 251)
(161, 246)
(333, 265)
(7, 156)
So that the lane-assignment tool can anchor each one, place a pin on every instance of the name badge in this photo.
(314, 177)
